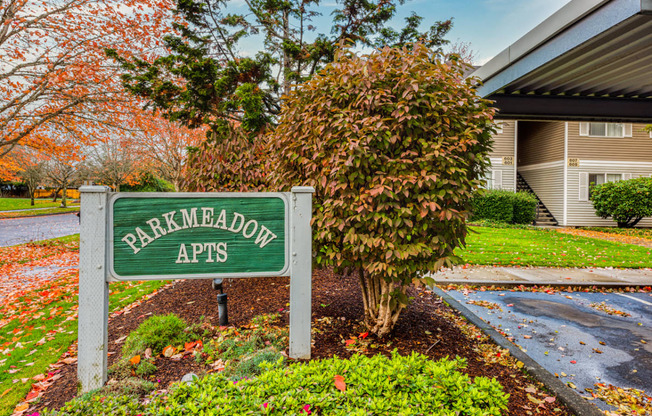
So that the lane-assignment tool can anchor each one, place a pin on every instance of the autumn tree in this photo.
(32, 174)
(206, 79)
(164, 147)
(55, 76)
(395, 143)
(111, 163)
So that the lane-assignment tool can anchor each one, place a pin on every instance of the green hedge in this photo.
(504, 206)
(400, 385)
(626, 202)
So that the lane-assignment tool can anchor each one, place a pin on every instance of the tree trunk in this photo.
(31, 195)
(286, 59)
(64, 196)
(56, 195)
(380, 309)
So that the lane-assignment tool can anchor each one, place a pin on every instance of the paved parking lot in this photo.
(23, 230)
(571, 333)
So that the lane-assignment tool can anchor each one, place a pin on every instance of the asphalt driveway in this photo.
(23, 230)
(573, 335)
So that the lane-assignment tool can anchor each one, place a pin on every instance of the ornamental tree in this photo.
(627, 202)
(395, 143)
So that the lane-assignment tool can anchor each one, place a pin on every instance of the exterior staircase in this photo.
(544, 217)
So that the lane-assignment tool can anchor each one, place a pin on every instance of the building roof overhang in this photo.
(591, 60)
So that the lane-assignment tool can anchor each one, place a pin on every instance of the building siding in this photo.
(582, 213)
(637, 148)
(504, 142)
(547, 181)
(509, 177)
(540, 142)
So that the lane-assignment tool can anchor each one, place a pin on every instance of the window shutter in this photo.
(627, 130)
(584, 186)
(584, 129)
(497, 179)
(627, 176)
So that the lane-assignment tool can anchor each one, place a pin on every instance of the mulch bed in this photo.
(336, 298)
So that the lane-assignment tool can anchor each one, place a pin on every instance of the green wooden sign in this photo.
(196, 236)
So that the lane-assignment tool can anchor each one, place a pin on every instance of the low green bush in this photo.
(627, 202)
(400, 385)
(157, 332)
(99, 404)
(504, 206)
(525, 207)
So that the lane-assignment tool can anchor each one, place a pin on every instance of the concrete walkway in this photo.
(480, 275)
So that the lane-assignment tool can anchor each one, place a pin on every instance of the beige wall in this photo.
(540, 142)
(637, 148)
(504, 142)
(547, 181)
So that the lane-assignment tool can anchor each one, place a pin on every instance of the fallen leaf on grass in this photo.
(135, 360)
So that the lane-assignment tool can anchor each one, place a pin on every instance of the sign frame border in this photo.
(112, 276)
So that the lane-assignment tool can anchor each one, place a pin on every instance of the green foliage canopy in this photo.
(206, 79)
(627, 202)
(394, 143)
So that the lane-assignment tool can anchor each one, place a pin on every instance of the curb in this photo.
(511, 283)
(576, 403)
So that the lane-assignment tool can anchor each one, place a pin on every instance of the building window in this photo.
(600, 178)
(606, 130)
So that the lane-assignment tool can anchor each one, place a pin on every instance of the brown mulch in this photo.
(334, 296)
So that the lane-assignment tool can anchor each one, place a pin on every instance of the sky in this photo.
(489, 25)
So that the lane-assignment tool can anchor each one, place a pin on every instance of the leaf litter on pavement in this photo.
(626, 401)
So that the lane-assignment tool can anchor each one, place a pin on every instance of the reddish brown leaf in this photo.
(339, 383)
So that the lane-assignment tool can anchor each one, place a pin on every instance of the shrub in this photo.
(627, 202)
(525, 207)
(156, 332)
(377, 385)
(394, 143)
(504, 206)
(228, 161)
(148, 182)
(400, 385)
(99, 404)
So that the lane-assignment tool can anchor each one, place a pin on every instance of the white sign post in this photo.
(97, 265)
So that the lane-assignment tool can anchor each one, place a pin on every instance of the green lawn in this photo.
(8, 204)
(37, 212)
(38, 326)
(547, 248)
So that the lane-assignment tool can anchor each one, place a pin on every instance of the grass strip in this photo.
(37, 212)
(629, 232)
(8, 204)
(547, 248)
